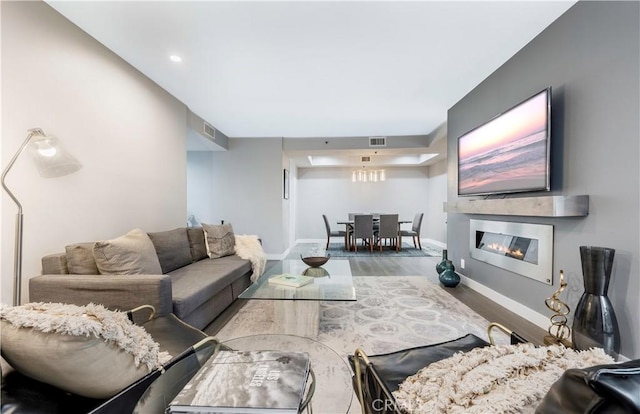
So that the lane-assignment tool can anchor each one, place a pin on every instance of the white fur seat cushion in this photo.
(493, 379)
(85, 350)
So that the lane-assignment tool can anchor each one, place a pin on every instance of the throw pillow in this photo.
(86, 350)
(172, 248)
(220, 240)
(197, 243)
(80, 260)
(131, 254)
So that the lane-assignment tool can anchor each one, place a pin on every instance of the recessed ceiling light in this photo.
(175, 58)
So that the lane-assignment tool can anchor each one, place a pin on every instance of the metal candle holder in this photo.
(559, 332)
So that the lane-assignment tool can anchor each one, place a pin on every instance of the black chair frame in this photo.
(150, 394)
(377, 376)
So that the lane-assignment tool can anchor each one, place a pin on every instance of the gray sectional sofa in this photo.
(191, 285)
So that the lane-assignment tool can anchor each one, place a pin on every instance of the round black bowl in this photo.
(315, 261)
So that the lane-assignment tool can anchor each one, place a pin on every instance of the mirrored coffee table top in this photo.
(332, 281)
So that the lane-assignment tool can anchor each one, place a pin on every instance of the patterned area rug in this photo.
(391, 313)
(337, 250)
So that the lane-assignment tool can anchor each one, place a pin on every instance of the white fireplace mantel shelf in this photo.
(543, 206)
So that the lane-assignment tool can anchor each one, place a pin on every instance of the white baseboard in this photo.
(434, 242)
(527, 313)
(311, 240)
(424, 241)
(281, 256)
(519, 309)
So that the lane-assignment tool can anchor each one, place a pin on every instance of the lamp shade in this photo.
(51, 161)
(50, 157)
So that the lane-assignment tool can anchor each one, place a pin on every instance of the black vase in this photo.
(440, 265)
(594, 322)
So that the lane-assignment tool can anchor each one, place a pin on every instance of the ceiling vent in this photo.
(365, 159)
(209, 131)
(377, 141)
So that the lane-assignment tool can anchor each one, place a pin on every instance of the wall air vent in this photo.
(365, 159)
(209, 131)
(377, 141)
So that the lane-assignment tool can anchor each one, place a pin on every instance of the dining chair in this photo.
(415, 230)
(352, 215)
(389, 229)
(334, 233)
(376, 222)
(363, 229)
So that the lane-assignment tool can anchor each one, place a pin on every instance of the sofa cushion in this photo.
(80, 260)
(220, 240)
(86, 350)
(130, 254)
(197, 243)
(55, 264)
(172, 248)
(195, 284)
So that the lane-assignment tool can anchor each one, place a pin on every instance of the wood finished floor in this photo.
(419, 266)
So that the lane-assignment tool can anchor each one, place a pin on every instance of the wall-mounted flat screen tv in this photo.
(509, 153)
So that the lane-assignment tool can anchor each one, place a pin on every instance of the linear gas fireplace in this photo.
(522, 248)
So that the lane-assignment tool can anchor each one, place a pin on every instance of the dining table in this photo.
(348, 226)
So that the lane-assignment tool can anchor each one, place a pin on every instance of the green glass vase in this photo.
(448, 277)
(440, 265)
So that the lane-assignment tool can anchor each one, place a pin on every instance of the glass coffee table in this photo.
(297, 310)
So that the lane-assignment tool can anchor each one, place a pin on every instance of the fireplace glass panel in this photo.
(522, 248)
(514, 247)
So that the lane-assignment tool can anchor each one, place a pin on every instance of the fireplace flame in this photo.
(517, 253)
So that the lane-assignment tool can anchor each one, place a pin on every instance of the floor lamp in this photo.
(51, 161)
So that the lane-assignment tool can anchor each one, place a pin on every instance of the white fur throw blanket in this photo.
(88, 321)
(249, 248)
(494, 379)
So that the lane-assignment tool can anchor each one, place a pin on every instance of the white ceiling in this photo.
(316, 69)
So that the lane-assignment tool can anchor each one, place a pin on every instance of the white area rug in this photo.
(391, 313)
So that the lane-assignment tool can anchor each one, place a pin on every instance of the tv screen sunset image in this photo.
(508, 153)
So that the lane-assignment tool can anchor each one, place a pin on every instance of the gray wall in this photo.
(434, 225)
(243, 168)
(243, 186)
(200, 199)
(344, 143)
(330, 191)
(590, 57)
(129, 134)
(245, 189)
(220, 142)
